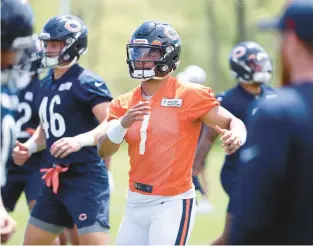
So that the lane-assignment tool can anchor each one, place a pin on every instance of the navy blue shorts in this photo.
(18, 182)
(82, 199)
(228, 180)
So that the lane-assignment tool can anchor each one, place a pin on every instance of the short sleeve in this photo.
(92, 93)
(116, 110)
(200, 101)
(226, 102)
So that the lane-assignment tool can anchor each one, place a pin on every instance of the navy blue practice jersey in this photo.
(65, 109)
(237, 101)
(274, 193)
(27, 120)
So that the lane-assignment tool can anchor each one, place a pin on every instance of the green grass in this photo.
(207, 226)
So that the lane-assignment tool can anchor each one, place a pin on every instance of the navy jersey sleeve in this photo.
(93, 92)
(225, 102)
(261, 176)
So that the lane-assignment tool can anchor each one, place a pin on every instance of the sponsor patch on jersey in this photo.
(65, 86)
(177, 103)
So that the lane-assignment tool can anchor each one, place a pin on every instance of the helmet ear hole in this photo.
(66, 57)
(164, 68)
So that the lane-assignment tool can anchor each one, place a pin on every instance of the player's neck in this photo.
(302, 72)
(151, 86)
(59, 72)
(254, 89)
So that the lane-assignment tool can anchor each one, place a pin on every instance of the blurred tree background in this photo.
(208, 29)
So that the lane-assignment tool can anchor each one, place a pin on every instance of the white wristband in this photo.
(32, 146)
(116, 132)
(243, 137)
(85, 140)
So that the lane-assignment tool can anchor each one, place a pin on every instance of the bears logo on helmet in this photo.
(72, 26)
(239, 51)
(171, 33)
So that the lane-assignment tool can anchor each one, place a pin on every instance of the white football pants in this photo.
(168, 223)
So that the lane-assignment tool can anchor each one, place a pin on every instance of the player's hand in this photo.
(135, 113)
(7, 225)
(65, 146)
(230, 140)
(20, 153)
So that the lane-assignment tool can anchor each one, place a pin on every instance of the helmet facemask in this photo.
(61, 58)
(147, 61)
(262, 70)
(15, 62)
(258, 69)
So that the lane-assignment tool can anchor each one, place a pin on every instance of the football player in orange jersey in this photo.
(161, 120)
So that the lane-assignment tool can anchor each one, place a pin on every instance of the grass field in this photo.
(207, 226)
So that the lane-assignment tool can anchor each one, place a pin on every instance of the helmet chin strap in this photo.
(68, 65)
(160, 78)
(53, 62)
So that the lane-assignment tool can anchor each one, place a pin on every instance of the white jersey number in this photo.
(8, 138)
(25, 107)
(143, 134)
(56, 119)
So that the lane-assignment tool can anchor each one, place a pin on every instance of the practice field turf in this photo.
(207, 226)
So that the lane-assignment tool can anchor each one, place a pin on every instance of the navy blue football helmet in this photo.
(72, 31)
(249, 63)
(16, 37)
(156, 43)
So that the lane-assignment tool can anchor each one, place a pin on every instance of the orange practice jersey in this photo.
(162, 147)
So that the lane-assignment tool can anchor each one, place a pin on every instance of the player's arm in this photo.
(261, 178)
(110, 141)
(23, 151)
(108, 147)
(207, 137)
(65, 146)
(231, 128)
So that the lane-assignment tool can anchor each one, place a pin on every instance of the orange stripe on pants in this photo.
(185, 230)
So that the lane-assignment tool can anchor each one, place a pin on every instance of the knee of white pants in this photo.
(134, 229)
(130, 234)
(172, 223)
